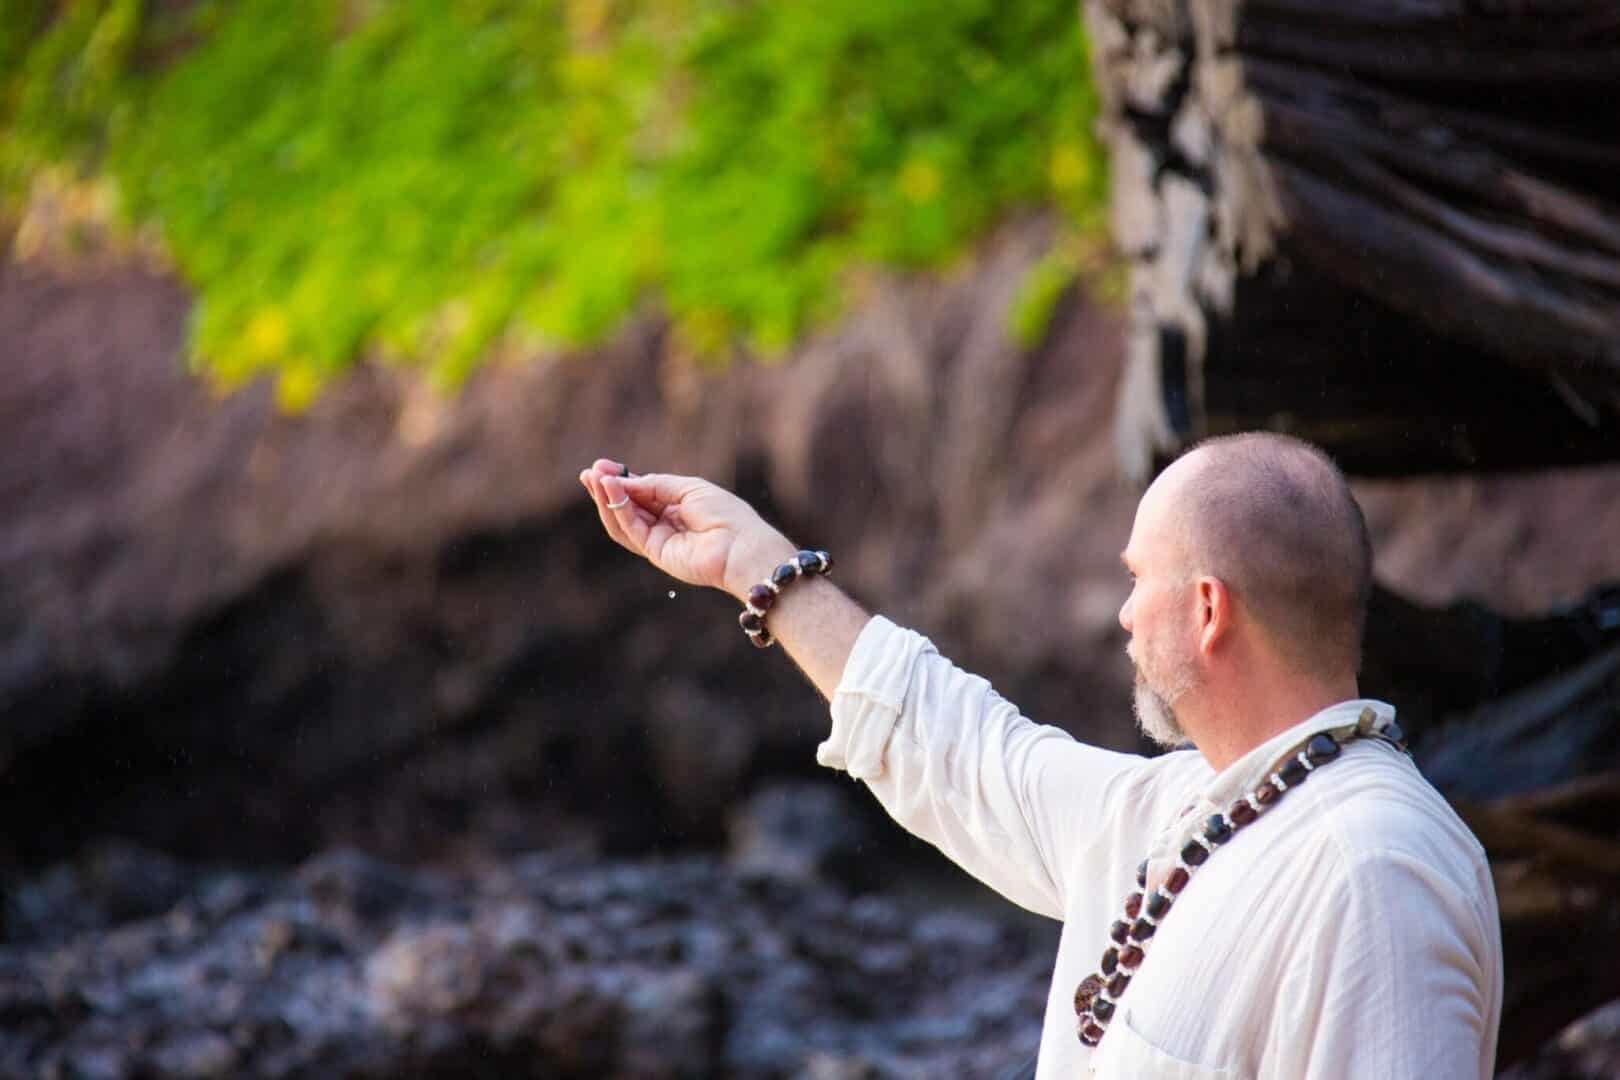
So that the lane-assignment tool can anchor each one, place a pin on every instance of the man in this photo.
(1343, 924)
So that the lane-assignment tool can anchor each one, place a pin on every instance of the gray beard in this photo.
(1156, 719)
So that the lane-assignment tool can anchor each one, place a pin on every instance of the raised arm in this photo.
(702, 534)
(1012, 802)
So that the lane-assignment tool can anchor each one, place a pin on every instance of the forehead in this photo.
(1156, 520)
(1148, 532)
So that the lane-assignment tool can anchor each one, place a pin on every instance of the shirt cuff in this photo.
(870, 695)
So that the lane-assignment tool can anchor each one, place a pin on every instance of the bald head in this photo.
(1274, 519)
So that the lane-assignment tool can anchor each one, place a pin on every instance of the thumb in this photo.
(655, 491)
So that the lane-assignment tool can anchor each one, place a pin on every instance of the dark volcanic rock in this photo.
(810, 831)
(541, 966)
(1588, 1049)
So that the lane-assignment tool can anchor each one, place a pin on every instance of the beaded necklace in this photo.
(1098, 993)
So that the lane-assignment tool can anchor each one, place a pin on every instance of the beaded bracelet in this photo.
(763, 595)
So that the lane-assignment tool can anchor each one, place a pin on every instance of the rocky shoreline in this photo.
(751, 963)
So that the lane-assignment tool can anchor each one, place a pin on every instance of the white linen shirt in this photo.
(1351, 932)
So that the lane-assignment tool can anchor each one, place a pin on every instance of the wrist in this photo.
(752, 560)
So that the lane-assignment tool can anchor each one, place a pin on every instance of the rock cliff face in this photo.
(394, 621)
(393, 626)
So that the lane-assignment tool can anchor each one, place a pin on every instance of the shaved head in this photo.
(1273, 518)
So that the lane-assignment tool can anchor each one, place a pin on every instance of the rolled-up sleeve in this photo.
(1010, 801)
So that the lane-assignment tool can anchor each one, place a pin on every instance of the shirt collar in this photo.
(1244, 774)
(1241, 777)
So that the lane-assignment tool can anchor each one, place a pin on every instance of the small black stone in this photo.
(749, 621)
(1321, 749)
(1141, 930)
(826, 562)
(1217, 830)
(1119, 932)
(1294, 772)
(1103, 1010)
(1141, 874)
(783, 574)
(808, 562)
(1157, 904)
(1110, 960)
(1194, 853)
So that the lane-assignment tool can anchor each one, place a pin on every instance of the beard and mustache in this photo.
(1163, 677)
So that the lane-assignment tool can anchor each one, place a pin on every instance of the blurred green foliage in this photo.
(413, 179)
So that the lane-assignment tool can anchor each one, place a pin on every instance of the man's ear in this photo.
(1215, 613)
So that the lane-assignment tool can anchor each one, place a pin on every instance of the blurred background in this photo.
(337, 740)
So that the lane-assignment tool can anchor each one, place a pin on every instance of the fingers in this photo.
(610, 518)
(632, 520)
(654, 492)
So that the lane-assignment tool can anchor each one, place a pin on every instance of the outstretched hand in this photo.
(690, 529)
(704, 535)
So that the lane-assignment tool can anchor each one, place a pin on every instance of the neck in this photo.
(1227, 722)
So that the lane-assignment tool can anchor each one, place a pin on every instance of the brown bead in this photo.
(1117, 985)
(1241, 813)
(1267, 793)
(1086, 993)
(762, 597)
(1176, 881)
(1119, 932)
(1091, 1034)
(1110, 960)
(1194, 853)
(1130, 957)
(1133, 905)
